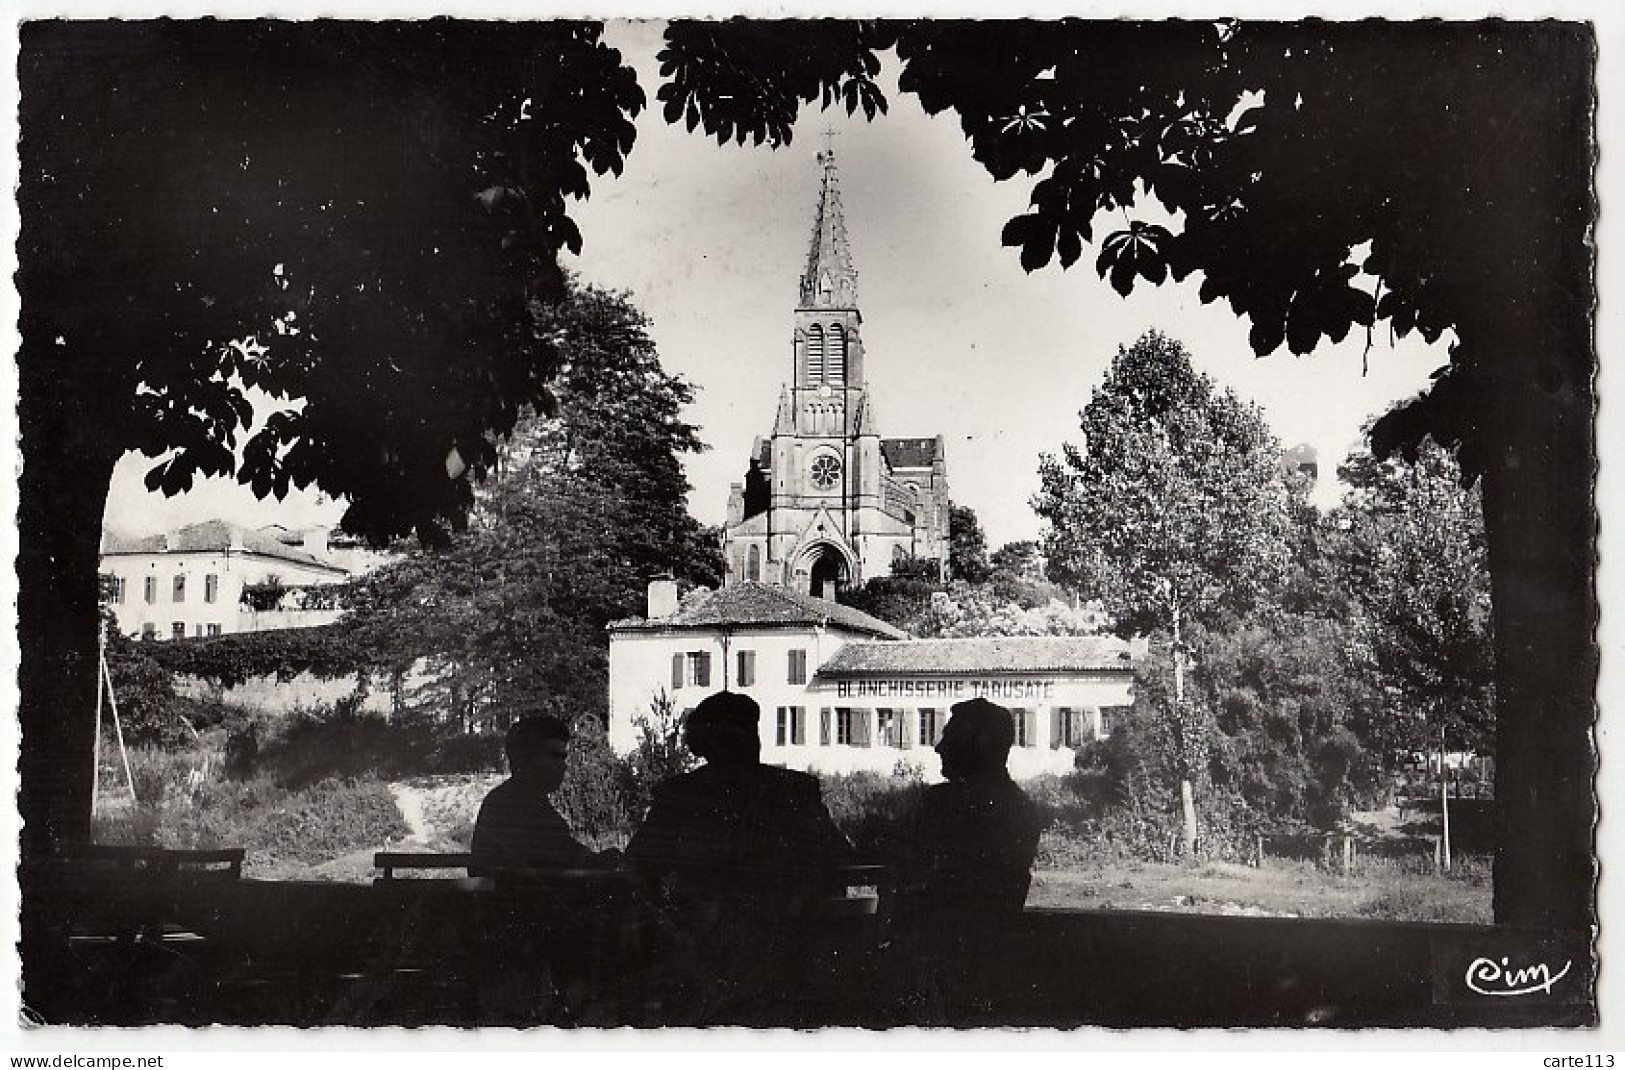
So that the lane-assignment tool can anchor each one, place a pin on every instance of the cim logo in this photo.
(1488, 977)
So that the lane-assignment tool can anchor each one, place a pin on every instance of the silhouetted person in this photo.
(969, 866)
(736, 850)
(734, 826)
(517, 827)
(975, 835)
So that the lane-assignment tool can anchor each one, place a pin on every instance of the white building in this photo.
(190, 582)
(841, 691)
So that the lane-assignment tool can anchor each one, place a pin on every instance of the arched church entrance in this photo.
(827, 571)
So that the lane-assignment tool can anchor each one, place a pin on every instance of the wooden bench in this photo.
(390, 861)
(85, 857)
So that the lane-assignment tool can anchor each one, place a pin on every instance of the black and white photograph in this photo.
(1086, 524)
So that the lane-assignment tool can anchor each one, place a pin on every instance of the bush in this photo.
(874, 810)
(596, 798)
(271, 822)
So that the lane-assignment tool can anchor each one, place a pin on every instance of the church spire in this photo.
(830, 280)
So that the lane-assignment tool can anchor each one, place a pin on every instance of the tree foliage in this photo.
(1175, 502)
(355, 218)
(588, 506)
(1412, 556)
(967, 545)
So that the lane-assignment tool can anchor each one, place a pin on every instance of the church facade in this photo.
(827, 502)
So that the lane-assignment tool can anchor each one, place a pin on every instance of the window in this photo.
(930, 727)
(197, 631)
(1026, 726)
(798, 667)
(745, 674)
(1071, 726)
(149, 589)
(676, 671)
(149, 630)
(825, 471)
(1110, 718)
(892, 728)
(214, 629)
(753, 563)
(211, 587)
(179, 589)
(792, 726)
(118, 589)
(835, 356)
(852, 727)
(177, 630)
(699, 668)
(815, 354)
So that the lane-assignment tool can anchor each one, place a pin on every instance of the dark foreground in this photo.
(586, 951)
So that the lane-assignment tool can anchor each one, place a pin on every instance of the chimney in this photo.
(315, 542)
(662, 597)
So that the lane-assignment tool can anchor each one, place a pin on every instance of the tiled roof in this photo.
(972, 657)
(762, 604)
(909, 452)
(213, 536)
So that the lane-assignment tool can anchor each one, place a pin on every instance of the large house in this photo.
(841, 691)
(193, 581)
(826, 501)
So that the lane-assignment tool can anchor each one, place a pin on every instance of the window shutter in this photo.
(747, 668)
(702, 670)
(860, 728)
(782, 735)
(1031, 717)
(676, 671)
(823, 726)
(798, 724)
(798, 667)
(1057, 727)
(905, 738)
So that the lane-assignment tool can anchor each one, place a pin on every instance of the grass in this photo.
(1380, 889)
(183, 800)
(319, 801)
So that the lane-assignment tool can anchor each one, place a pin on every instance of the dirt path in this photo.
(409, 800)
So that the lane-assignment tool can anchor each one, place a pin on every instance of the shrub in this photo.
(596, 796)
(874, 810)
(661, 751)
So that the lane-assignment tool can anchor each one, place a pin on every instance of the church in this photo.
(827, 502)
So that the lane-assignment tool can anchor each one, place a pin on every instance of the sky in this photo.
(959, 341)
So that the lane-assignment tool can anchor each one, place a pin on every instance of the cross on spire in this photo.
(830, 134)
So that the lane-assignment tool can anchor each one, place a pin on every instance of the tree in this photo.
(967, 545)
(589, 505)
(1263, 142)
(353, 218)
(1412, 558)
(1174, 508)
(1018, 559)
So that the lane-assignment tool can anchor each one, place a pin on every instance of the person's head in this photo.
(976, 741)
(722, 729)
(538, 748)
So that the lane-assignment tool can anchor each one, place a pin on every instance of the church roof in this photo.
(762, 604)
(830, 252)
(213, 536)
(909, 452)
(982, 656)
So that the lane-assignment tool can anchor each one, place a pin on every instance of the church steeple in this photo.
(830, 280)
(828, 349)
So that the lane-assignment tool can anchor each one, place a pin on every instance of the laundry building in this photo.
(826, 501)
(841, 691)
